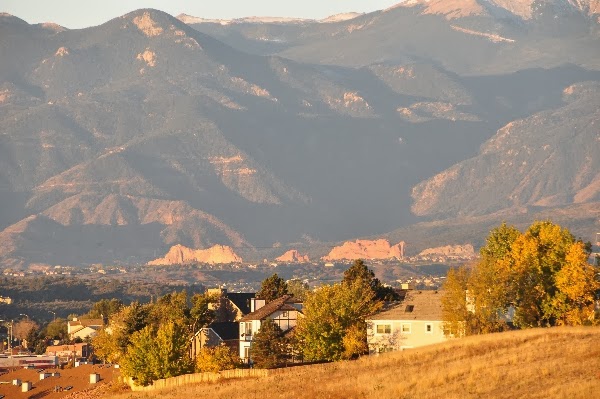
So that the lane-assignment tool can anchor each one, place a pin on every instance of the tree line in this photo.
(151, 341)
(537, 278)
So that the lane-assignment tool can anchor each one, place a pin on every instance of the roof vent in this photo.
(409, 308)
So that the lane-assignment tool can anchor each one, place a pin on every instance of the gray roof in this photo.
(416, 305)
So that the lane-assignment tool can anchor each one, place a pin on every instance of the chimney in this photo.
(256, 304)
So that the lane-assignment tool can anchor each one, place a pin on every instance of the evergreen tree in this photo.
(272, 288)
(269, 346)
(360, 272)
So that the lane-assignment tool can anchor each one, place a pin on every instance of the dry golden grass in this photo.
(541, 363)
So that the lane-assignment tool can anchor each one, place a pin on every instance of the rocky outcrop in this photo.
(366, 249)
(179, 255)
(525, 164)
(293, 256)
(450, 251)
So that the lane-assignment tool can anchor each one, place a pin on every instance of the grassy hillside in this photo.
(542, 363)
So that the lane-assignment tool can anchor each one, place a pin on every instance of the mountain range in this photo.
(122, 140)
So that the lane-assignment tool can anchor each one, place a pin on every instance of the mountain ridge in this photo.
(122, 140)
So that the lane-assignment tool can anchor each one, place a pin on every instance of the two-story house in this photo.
(412, 322)
(284, 311)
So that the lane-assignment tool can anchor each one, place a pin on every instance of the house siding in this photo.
(285, 319)
(398, 339)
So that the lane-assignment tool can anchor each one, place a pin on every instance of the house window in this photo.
(429, 328)
(285, 314)
(248, 329)
(247, 352)
(406, 328)
(384, 328)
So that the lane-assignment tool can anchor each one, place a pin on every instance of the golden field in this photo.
(538, 363)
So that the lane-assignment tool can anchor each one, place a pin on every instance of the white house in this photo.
(283, 311)
(412, 322)
(82, 328)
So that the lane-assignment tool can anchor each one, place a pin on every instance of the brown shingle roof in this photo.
(268, 309)
(86, 322)
(416, 305)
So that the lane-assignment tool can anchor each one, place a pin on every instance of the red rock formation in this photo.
(293, 256)
(179, 254)
(365, 249)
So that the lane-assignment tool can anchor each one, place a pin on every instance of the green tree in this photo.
(272, 288)
(331, 312)
(104, 309)
(360, 272)
(216, 359)
(170, 354)
(202, 312)
(298, 289)
(489, 286)
(455, 313)
(57, 329)
(269, 346)
(155, 355)
(171, 308)
(35, 341)
(111, 344)
(105, 346)
(138, 361)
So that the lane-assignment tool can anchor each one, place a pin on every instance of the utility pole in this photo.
(10, 330)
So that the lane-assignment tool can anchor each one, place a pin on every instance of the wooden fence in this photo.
(197, 378)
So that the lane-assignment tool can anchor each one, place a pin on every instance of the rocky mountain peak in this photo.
(523, 9)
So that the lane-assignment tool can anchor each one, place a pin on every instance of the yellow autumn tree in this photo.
(577, 286)
(533, 263)
(455, 312)
(542, 275)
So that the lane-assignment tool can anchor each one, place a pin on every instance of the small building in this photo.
(82, 350)
(83, 328)
(410, 323)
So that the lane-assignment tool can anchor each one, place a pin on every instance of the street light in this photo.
(23, 314)
(54, 313)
